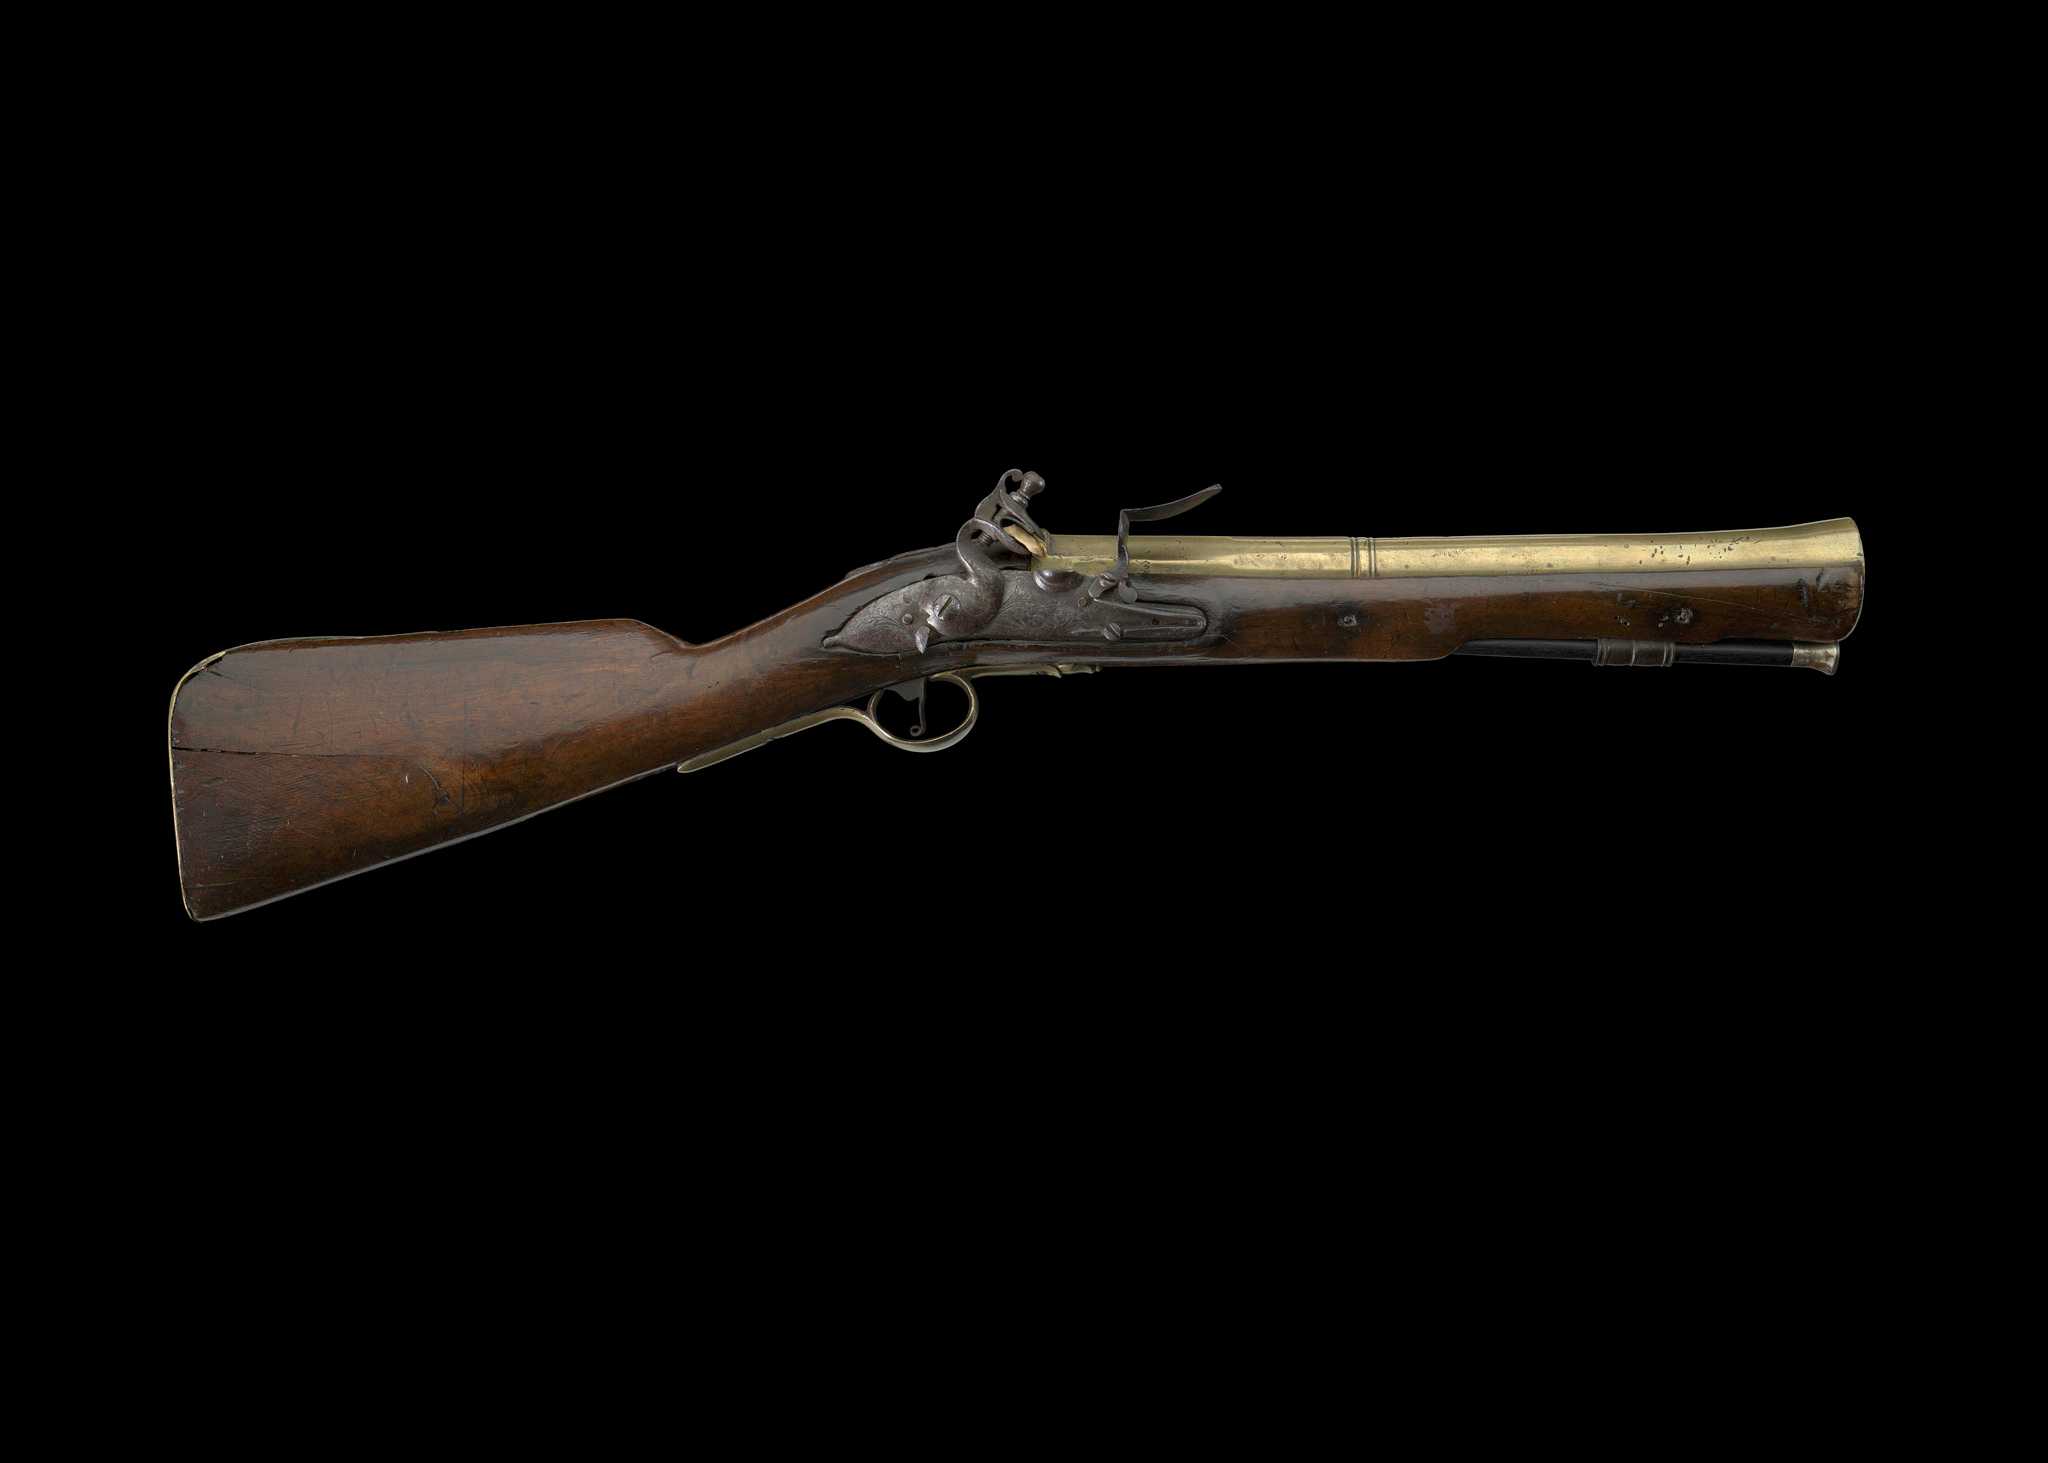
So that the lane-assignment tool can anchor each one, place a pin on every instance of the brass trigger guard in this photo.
(952, 738)
(865, 717)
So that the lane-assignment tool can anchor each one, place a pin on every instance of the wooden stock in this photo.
(296, 762)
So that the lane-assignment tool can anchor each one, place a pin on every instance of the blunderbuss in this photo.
(298, 762)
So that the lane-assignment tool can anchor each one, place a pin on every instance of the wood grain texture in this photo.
(297, 762)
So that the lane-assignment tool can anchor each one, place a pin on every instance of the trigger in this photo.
(914, 691)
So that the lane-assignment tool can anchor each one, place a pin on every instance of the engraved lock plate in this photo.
(995, 599)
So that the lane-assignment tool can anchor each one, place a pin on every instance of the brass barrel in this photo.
(1830, 542)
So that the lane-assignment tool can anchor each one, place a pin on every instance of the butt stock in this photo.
(294, 762)
(298, 762)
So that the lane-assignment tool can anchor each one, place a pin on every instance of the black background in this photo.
(1539, 977)
(1476, 988)
(603, 367)
(434, 466)
(469, 355)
